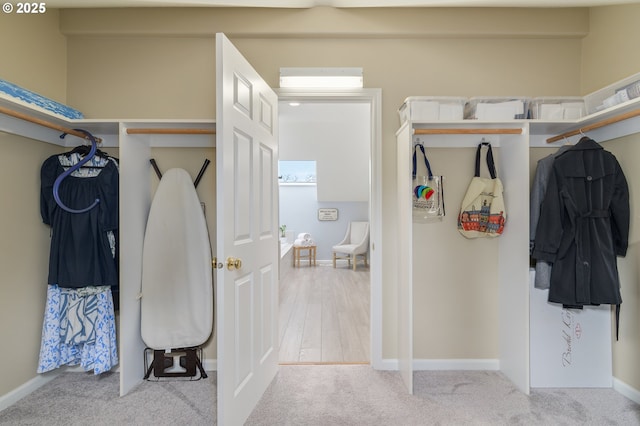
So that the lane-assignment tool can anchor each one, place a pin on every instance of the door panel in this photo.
(247, 229)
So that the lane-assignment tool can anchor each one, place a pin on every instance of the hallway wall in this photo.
(299, 211)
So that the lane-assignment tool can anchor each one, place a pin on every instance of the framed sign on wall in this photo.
(327, 214)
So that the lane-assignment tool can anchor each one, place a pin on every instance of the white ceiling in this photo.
(332, 3)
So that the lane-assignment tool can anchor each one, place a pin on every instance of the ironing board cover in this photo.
(177, 291)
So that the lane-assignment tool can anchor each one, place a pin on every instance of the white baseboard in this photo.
(386, 364)
(626, 390)
(25, 389)
(418, 364)
(443, 364)
(210, 364)
(456, 364)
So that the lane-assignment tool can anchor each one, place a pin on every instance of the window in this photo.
(297, 172)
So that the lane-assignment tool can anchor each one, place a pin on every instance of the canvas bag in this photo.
(428, 192)
(482, 213)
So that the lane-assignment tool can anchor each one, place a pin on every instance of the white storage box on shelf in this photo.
(566, 108)
(432, 108)
(490, 108)
(614, 94)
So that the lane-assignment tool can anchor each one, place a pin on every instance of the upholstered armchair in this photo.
(355, 243)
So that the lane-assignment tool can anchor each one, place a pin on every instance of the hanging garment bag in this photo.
(428, 192)
(482, 213)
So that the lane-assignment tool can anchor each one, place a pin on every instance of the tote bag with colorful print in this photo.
(482, 213)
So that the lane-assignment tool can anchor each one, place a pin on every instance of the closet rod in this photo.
(467, 131)
(171, 132)
(596, 125)
(45, 123)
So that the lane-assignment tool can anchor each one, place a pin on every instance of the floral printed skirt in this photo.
(78, 329)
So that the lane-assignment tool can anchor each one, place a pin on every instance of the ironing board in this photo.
(177, 291)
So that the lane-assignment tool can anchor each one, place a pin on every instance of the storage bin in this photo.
(490, 108)
(614, 94)
(566, 108)
(432, 108)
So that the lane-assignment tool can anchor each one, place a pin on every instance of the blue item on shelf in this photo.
(38, 100)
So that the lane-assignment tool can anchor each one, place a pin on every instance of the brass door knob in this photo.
(233, 263)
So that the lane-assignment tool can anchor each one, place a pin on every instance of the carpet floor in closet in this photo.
(325, 395)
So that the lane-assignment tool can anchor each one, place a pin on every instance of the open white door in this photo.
(247, 234)
(405, 258)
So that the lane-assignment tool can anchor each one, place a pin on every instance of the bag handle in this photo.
(426, 162)
(490, 163)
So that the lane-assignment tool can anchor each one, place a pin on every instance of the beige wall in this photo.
(614, 33)
(606, 52)
(25, 255)
(159, 63)
(33, 53)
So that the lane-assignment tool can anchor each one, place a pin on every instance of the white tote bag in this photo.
(482, 213)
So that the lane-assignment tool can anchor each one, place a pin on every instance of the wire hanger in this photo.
(79, 164)
(584, 137)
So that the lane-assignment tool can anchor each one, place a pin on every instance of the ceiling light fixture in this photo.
(321, 78)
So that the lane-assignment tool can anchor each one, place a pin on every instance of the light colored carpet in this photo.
(76, 399)
(325, 395)
(359, 395)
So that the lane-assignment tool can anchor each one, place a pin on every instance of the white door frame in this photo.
(374, 98)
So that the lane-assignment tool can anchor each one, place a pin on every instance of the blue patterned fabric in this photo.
(27, 96)
(78, 329)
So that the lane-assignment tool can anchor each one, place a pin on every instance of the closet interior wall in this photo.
(27, 246)
(612, 34)
(504, 260)
(138, 182)
(24, 246)
(491, 272)
(627, 348)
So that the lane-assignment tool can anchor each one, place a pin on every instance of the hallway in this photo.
(324, 315)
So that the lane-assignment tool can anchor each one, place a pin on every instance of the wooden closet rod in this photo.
(171, 132)
(44, 123)
(596, 125)
(467, 131)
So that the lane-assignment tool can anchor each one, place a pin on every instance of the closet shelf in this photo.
(596, 125)
(22, 119)
(43, 122)
(614, 122)
(473, 131)
(170, 131)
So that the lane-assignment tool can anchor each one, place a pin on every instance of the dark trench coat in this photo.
(584, 225)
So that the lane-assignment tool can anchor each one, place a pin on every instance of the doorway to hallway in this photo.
(325, 313)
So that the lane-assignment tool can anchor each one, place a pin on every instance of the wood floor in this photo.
(324, 315)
